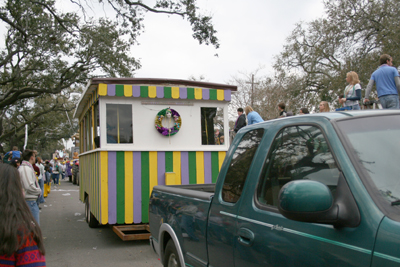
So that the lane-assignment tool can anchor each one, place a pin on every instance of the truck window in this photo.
(212, 126)
(119, 124)
(297, 152)
(240, 165)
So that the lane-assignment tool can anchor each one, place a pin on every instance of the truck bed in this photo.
(200, 191)
(185, 209)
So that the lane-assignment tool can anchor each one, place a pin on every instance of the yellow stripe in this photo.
(128, 90)
(80, 138)
(200, 167)
(198, 93)
(175, 92)
(220, 95)
(93, 129)
(221, 157)
(104, 186)
(152, 91)
(177, 166)
(128, 187)
(153, 170)
(102, 89)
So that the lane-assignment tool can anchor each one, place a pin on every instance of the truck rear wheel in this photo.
(171, 257)
(90, 219)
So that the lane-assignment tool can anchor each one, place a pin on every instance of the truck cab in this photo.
(311, 190)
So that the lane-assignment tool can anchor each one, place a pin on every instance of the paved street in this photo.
(70, 242)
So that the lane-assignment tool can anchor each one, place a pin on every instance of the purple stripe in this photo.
(112, 187)
(137, 187)
(185, 167)
(206, 94)
(207, 167)
(160, 91)
(161, 167)
(135, 90)
(111, 89)
(182, 92)
(227, 95)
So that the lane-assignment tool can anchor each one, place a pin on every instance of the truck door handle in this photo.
(246, 237)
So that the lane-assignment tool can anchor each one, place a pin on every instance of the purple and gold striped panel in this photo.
(106, 177)
(165, 92)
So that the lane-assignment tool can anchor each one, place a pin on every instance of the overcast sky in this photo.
(251, 33)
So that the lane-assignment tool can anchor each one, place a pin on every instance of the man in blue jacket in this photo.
(387, 82)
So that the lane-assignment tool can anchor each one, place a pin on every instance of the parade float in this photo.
(138, 133)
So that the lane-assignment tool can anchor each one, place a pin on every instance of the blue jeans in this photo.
(55, 176)
(390, 101)
(33, 206)
(347, 108)
(41, 184)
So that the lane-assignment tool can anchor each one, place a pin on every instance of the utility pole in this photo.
(252, 89)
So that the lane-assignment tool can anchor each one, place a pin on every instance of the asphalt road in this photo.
(69, 241)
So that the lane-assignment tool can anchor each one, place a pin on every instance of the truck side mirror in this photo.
(305, 196)
(307, 201)
(312, 201)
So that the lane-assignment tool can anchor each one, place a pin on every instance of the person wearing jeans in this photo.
(29, 183)
(352, 92)
(387, 82)
(55, 174)
(39, 164)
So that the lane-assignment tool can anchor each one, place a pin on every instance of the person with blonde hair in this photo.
(352, 92)
(324, 107)
(252, 116)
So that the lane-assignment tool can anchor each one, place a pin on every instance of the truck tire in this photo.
(90, 219)
(171, 257)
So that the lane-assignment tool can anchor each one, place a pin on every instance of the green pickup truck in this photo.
(311, 190)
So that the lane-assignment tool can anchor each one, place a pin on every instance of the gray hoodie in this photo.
(29, 182)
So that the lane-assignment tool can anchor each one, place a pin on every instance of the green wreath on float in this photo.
(172, 118)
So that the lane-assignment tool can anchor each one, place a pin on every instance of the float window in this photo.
(119, 124)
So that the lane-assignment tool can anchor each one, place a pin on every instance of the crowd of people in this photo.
(24, 183)
(387, 81)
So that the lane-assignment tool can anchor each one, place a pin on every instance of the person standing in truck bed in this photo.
(252, 116)
(387, 82)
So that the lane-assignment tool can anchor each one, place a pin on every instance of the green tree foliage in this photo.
(48, 53)
(350, 37)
